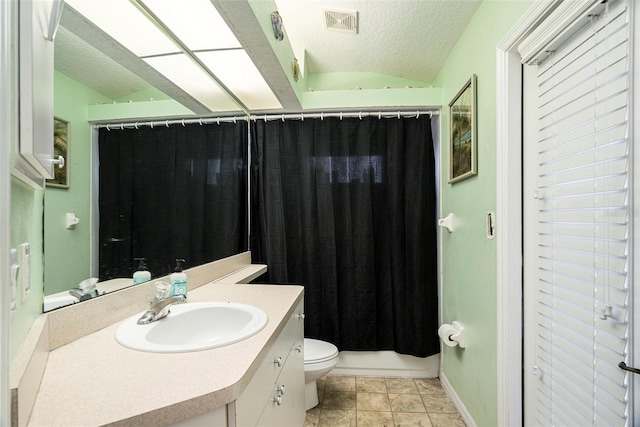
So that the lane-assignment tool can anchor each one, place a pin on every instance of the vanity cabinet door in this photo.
(259, 393)
(286, 403)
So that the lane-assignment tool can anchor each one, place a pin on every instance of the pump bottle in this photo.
(142, 274)
(178, 279)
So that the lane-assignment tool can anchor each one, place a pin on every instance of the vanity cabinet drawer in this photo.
(258, 393)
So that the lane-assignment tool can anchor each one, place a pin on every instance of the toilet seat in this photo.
(316, 351)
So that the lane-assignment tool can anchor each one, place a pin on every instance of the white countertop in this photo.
(96, 381)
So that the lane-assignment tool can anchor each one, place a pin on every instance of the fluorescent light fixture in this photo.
(235, 69)
(126, 24)
(202, 32)
(187, 75)
(196, 22)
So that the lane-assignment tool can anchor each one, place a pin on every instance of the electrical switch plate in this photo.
(491, 225)
(14, 269)
(25, 257)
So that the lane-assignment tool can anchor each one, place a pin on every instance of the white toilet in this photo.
(320, 358)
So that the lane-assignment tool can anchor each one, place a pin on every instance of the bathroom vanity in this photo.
(93, 380)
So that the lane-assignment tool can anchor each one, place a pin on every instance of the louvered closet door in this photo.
(577, 217)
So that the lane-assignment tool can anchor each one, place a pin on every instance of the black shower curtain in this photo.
(348, 209)
(171, 192)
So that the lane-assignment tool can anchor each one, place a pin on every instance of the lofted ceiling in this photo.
(406, 39)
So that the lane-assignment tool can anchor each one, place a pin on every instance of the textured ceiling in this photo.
(402, 38)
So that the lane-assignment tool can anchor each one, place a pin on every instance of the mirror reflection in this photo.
(139, 203)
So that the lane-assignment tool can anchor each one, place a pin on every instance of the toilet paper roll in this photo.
(446, 332)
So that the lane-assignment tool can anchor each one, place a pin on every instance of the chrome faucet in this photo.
(159, 308)
(86, 290)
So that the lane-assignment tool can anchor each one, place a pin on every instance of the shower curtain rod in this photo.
(269, 117)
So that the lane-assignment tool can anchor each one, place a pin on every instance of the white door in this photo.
(578, 215)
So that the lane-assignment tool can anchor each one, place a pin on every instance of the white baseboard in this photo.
(386, 364)
(466, 416)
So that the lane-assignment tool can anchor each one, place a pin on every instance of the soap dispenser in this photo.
(178, 279)
(142, 275)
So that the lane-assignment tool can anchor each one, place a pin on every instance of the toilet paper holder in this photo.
(452, 335)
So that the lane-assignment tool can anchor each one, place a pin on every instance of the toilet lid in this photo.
(316, 351)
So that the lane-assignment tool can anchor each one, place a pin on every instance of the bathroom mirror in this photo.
(85, 76)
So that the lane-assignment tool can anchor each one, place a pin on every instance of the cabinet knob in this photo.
(278, 400)
(280, 389)
(59, 161)
(278, 361)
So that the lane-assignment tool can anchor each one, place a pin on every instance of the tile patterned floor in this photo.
(382, 402)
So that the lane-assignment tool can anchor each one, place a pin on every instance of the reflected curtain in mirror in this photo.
(171, 192)
(348, 209)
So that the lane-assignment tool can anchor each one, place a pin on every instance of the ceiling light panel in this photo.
(235, 69)
(196, 23)
(126, 24)
(186, 74)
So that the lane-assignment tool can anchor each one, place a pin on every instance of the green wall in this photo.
(62, 272)
(469, 268)
(26, 226)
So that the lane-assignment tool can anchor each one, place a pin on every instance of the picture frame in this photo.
(60, 148)
(463, 139)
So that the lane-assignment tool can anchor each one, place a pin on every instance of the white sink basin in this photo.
(192, 327)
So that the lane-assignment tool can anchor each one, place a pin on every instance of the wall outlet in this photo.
(25, 263)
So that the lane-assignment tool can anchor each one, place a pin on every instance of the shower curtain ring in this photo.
(218, 120)
(322, 116)
(167, 123)
(283, 118)
(417, 114)
(108, 128)
(234, 120)
(136, 125)
(121, 126)
(182, 122)
(360, 115)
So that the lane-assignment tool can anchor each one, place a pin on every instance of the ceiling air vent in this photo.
(340, 20)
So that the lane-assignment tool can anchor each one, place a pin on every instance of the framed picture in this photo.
(60, 148)
(463, 140)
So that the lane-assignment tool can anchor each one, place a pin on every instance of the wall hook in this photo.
(72, 220)
(447, 222)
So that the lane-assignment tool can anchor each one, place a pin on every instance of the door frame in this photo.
(509, 129)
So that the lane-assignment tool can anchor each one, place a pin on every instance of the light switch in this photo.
(25, 263)
(14, 270)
